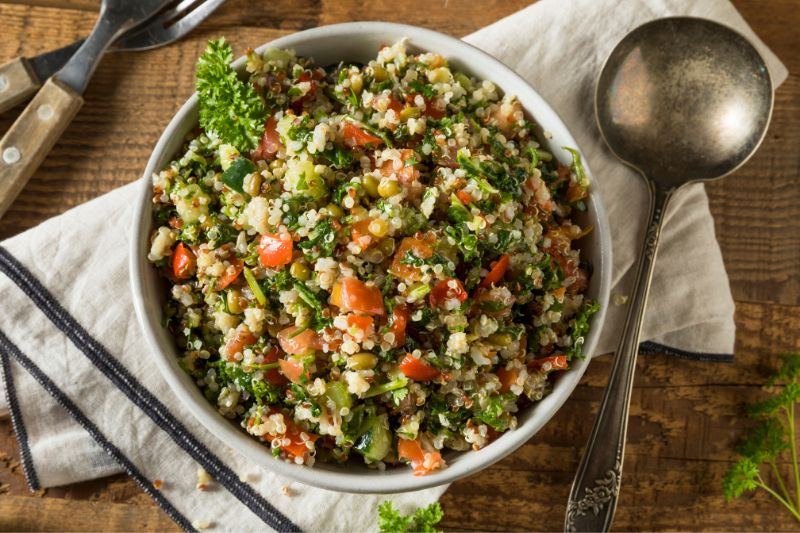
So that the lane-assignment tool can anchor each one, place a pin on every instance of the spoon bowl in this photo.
(684, 99)
(680, 100)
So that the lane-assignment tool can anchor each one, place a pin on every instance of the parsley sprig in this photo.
(229, 107)
(424, 519)
(774, 437)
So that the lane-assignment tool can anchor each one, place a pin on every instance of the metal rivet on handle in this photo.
(3, 83)
(11, 155)
(45, 112)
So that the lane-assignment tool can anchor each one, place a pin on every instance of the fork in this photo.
(21, 77)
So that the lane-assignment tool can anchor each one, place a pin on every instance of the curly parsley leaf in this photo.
(229, 107)
(743, 476)
(424, 519)
(770, 441)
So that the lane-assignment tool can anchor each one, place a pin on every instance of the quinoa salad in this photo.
(373, 262)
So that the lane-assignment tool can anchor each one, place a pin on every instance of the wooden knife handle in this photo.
(33, 135)
(17, 83)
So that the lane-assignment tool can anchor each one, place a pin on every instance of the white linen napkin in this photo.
(78, 375)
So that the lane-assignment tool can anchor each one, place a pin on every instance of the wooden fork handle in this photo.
(17, 83)
(33, 135)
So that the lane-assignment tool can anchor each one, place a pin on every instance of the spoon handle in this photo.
(593, 498)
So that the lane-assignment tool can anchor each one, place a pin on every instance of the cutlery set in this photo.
(61, 77)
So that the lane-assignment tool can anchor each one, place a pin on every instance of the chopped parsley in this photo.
(229, 107)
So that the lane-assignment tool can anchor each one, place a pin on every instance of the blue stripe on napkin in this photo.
(19, 425)
(140, 395)
(7, 348)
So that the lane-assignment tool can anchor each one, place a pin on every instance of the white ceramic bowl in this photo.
(360, 41)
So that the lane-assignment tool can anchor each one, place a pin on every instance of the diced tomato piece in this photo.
(183, 262)
(395, 104)
(297, 343)
(293, 369)
(507, 378)
(417, 369)
(400, 317)
(409, 272)
(497, 272)
(230, 274)
(270, 142)
(423, 462)
(447, 289)
(360, 234)
(557, 362)
(297, 447)
(408, 174)
(275, 250)
(351, 294)
(361, 322)
(356, 137)
(464, 197)
(411, 450)
(241, 338)
(431, 108)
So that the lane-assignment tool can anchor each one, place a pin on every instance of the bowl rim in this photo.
(338, 478)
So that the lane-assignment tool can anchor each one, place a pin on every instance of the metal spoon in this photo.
(680, 100)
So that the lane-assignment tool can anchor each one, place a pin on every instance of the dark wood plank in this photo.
(19, 513)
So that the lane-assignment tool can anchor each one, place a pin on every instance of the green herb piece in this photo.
(410, 258)
(457, 212)
(424, 89)
(424, 519)
(467, 242)
(534, 157)
(477, 171)
(301, 131)
(228, 106)
(314, 302)
(323, 236)
(190, 233)
(577, 168)
(234, 176)
(580, 328)
(253, 284)
(234, 373)
(282, 281)
(495, 413)
(338, 157)
(382, 86)
(377, 390)
(221, 233)
(774, 437)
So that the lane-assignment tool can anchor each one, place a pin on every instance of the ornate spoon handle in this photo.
(593, 498)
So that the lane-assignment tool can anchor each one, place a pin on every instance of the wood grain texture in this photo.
(685, 416)
(33, 134)
(25, 514)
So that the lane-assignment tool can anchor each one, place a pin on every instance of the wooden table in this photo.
(685, 416)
